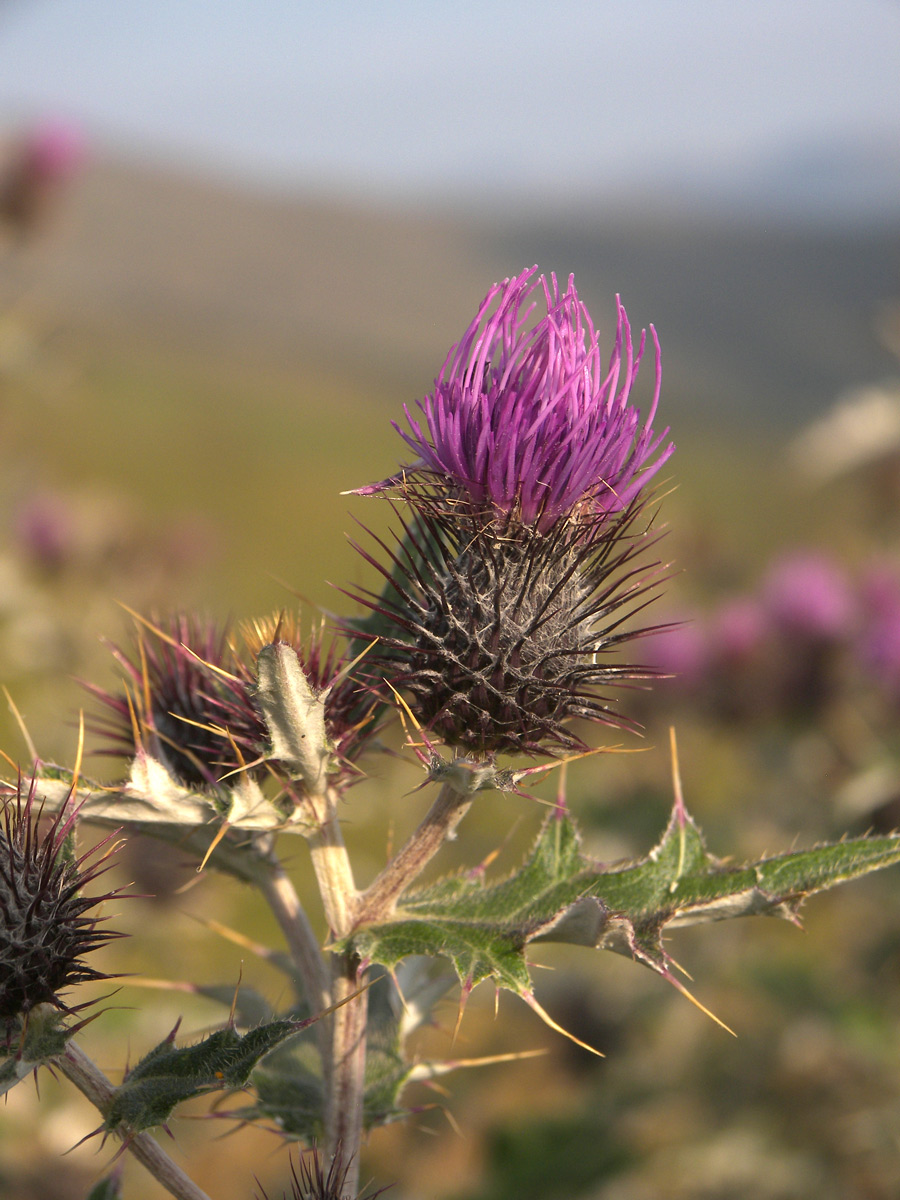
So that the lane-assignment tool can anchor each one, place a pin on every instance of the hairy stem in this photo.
(91, 1081)
(345, 1064)
(302, 943)
(344, 1111)
(331, 864)
(379, 899)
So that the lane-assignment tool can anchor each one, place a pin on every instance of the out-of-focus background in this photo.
(234, 239)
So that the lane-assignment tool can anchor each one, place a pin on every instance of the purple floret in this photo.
(525, 421)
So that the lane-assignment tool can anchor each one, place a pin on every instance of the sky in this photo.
(456, 99)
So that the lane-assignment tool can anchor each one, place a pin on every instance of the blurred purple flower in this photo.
(738, 630)
(879, 589)
(807, 595)
(525, 422)
(43, 527)
(41, 164)
(679, 649)
(878, 649)
(54, 150)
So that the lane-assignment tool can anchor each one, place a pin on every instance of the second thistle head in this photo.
(505, 607)
(46, 923)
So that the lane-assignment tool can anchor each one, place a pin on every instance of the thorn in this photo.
(202, 661)
(680, 810)
(79, 753)
(680, 968)
(427, 1072)
(406, 711)
(679, 986)
(135, 723)
(26, 736)
(561, 807)
(464, 993)
(232, 935)
(452, 1122)
(206, 857)
(236, 994)
(531, 1001)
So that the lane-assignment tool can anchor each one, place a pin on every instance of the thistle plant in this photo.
(503, 626)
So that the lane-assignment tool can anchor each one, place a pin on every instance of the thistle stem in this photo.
(302, 943)
(344, 1107)
(345, 1065)
(380, 898)
(90, 1080)
(331, 864)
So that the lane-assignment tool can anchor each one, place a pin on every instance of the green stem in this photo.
(380, 898)
(302, 943)
(346, 1063)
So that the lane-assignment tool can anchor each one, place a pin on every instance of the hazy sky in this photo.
(441, 98)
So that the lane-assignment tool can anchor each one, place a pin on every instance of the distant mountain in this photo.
(760, 320)
(763, 322)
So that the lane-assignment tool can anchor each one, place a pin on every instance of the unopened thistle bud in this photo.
(506, 604)
(185, 703)
(311, 1181)
(191, 699)
(46, 923)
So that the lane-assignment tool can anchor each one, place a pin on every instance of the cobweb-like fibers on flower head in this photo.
(501, 638)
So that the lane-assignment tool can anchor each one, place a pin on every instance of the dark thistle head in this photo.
(47, 926)
(311, 1181)
(507, 603)
(190, 698)
(187, 700)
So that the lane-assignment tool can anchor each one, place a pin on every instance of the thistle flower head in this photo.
(46, 924)
(525, 421)
(350, 708)
(185, 700)
(501, 638)
(311, 1181)
(505, 607)
(191, 696)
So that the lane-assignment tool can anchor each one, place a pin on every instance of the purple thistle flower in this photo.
(525, 422)
(504, 609)
(45, 923)
(808, 596)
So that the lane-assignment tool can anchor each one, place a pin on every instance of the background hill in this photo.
(761, 320)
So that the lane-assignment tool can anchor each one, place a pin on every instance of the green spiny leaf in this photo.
(107, 1189)
(558, 894)
(29, 1044)
(169, 1075)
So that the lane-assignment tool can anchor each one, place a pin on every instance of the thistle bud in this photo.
(46, 924)
(194, 702)
(311, 1181)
